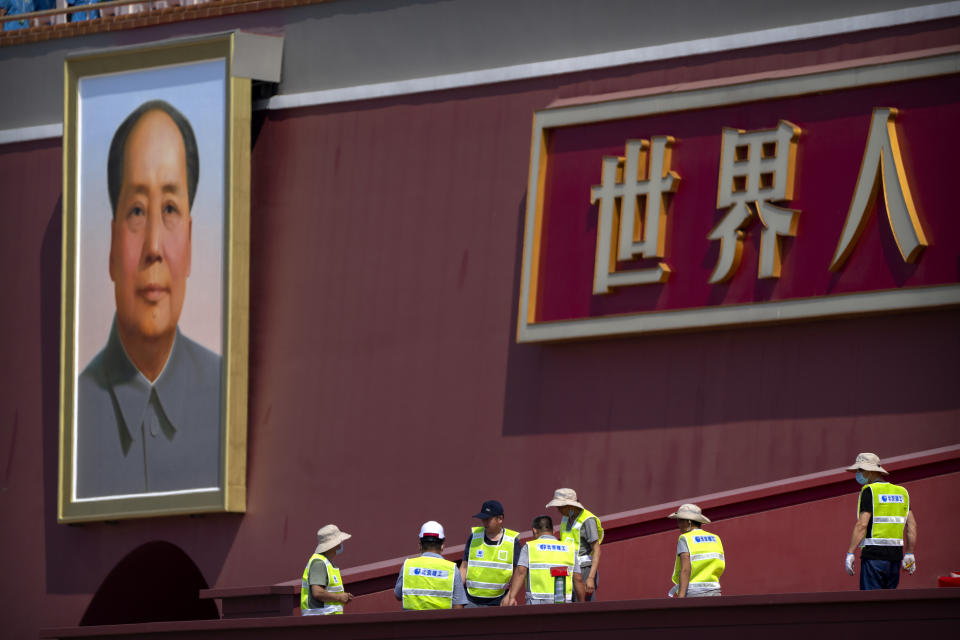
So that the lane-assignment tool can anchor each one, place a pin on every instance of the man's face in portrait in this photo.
(151, 230)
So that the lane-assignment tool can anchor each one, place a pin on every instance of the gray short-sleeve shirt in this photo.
(318, 576)
(318, 573)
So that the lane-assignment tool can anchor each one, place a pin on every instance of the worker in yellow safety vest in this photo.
(489, 557)
(321, 587)
(583, 529)
(885, 530)
(428, 581)
(538, 558)
(699, 562)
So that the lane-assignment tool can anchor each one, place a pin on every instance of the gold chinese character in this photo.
(756, 170)
(633, 210)
(882, 164)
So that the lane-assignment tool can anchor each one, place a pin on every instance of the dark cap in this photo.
(490, 509)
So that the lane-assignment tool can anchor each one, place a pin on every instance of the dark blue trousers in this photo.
(879, 574)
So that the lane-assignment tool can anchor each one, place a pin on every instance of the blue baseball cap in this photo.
(490, 509)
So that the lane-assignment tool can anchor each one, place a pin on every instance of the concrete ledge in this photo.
(918, 612)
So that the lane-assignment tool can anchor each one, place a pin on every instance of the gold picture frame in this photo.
(197, 77)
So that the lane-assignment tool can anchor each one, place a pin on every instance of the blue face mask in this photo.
(339, 549)
(861, 478)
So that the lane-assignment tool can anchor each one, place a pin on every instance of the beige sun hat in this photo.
(565, 497)
(867, 462)
(329, 537)
(689, 512)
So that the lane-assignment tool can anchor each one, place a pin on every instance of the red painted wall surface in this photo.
(385, 384)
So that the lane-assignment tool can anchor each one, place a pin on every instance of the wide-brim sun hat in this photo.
(564, 498)
(689, 512)
(330, 537)
(867, 462)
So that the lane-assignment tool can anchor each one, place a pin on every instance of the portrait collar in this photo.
(133, 391)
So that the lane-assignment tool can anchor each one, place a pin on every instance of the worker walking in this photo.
(699, 562)
(321, 587)
(428, 581)
(538, 558)
(584, 530)
(885, 530)
(489, 558)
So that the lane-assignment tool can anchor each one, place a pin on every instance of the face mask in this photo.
(339, 549)
(861, 478)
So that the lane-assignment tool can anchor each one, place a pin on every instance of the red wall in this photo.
(386, 387)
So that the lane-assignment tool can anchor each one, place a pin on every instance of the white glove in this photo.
(909, 563)
(848, 563)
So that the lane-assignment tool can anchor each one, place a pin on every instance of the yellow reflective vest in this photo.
(891, 504)
(544, 554)
(572, 534)
(334, 585)
(489, 567)
(428, 583)
(706, 560)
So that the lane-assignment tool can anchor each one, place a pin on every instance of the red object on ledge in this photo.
(952, 580)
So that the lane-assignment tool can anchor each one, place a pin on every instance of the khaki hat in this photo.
(329, 537)
(689, 512)
(565, 497)
(867, 462)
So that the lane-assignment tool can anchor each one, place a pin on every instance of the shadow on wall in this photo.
(173, 594)
(901, 363)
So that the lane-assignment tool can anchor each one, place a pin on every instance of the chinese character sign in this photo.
(743, 204)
